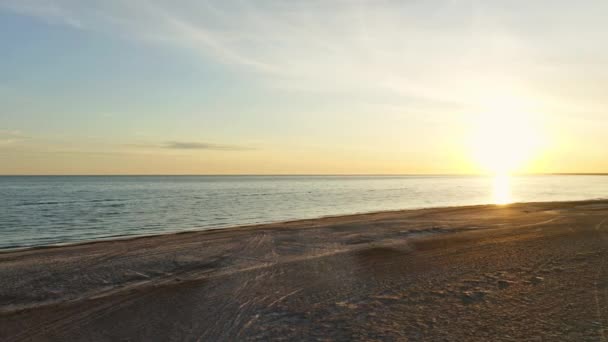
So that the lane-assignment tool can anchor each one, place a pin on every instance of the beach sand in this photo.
(533, 271)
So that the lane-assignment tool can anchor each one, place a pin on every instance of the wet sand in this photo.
(533, 271)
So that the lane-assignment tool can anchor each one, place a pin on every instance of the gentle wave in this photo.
(38, 211)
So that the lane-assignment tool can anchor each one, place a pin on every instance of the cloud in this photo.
(190, 145)
(411, 49)
(47, 10)
(432, 51)
(10, 137)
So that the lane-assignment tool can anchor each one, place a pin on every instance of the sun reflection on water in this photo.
(502, 189)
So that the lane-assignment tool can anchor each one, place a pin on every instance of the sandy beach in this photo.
(532, 271)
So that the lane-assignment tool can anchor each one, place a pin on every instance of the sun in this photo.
(501, 189)
(504, 139)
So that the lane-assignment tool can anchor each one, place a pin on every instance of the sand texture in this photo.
(483, 273)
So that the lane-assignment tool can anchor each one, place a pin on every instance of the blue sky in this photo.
(300, 87)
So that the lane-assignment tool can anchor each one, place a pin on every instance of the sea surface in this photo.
(44, 210)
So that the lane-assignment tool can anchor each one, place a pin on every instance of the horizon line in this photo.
(305, 174)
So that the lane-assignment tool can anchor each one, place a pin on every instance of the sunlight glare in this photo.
(502, 189)
(505, 137)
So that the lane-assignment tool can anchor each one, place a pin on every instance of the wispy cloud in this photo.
(10, 137)
(191, 145)
(48, 10)
(444, 50)
(409, 49)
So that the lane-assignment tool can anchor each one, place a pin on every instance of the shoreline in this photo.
(433, 273)
(313, 175)
(261, 224)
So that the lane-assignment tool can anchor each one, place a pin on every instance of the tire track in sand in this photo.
(596, 294)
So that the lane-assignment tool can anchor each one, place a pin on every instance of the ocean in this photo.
(45, 210)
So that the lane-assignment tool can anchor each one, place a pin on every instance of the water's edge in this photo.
(265, 225)
(42, 211)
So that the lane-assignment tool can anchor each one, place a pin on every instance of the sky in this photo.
(303, 87)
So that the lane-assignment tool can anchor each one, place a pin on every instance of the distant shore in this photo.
(520, 271)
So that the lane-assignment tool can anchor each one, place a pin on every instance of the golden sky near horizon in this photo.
(223, 87)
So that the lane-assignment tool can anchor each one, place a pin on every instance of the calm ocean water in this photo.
(49, 210)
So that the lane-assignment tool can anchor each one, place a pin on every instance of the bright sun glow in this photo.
(502, 189)
(505, 137)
